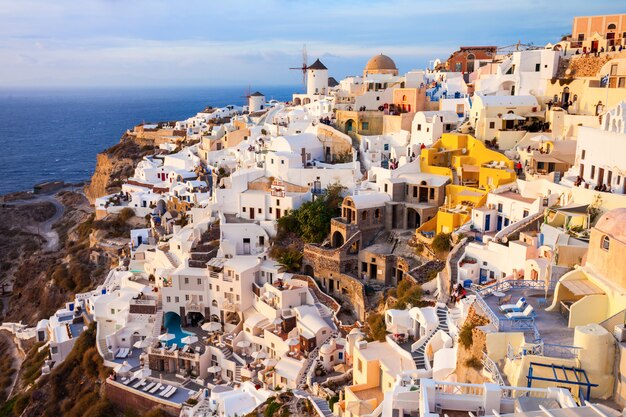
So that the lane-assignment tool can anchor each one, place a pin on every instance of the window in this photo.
(113, 310)
(419, 127)
(614, 69)
(492, 125)
(186, 297)
(365, 125)
(605, 242)
(431, 193)
(526, 213)
(169, 299)
(277, 202)
(244, 209)
(611, 26)
(621, 82)
(176, 299)
(386, 188)
(500, 206)
(582, 154)
(200, 298)
(593, 171)
(537, 67)
(377, 98)
(199, 280)
(261, 240)
(259, 210)
(270, 210)
(581, 37)
(186, 280)
(282, 161)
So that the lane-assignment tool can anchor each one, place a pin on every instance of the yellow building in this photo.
(473, 170)
(597, 291)
(375, 366)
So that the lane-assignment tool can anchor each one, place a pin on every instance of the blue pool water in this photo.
(171, 321)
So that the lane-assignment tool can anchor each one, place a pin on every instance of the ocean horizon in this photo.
(53, 134)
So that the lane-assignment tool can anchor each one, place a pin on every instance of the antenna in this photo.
(304, 65)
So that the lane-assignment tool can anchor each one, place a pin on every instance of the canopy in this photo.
(166, 337)
(511, 116)
(214, 369)
(211, 327)
(243, 344)
(189, 339)
(140, 344)
(582, 287)
(123, 368)
(259, 354)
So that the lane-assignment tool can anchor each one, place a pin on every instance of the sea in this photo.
(55, 134)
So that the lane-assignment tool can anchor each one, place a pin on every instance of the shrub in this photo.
(332, 401)
(376, 329)
(126, 214)
(442, 243)
(465, 335)
(474, 363)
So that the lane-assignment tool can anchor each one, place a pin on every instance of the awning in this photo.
(511, 116)
(582, 287)
(542, 157)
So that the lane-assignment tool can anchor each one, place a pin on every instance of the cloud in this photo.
(115, 42)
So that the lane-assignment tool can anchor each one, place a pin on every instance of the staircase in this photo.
(237, 373)
(228, 354)
(173, 260)
(418, 355)
(158, 322)
(321, 406)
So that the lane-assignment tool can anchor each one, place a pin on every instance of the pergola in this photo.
(577, 376)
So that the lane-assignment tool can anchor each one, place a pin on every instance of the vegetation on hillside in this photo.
(311, 221)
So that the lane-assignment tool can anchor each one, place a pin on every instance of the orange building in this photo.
(467, 58)
(409, 100)
(596, 32)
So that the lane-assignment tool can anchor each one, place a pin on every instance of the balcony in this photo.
(230, 306)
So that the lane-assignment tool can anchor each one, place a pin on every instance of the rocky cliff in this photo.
(115, 165)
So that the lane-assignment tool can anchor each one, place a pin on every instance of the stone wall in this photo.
(130, 399)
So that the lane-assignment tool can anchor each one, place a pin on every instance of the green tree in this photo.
(376, 329)
(442, 243)
(290, 259)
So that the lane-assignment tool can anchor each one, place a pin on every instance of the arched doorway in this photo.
(337, 239)
(297, 101)
(161, 208)
(413, 219)
(349, 125)
(308, 270)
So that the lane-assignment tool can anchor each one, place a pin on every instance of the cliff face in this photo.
(115, 165)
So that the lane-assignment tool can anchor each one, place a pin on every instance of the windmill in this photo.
(304, 65)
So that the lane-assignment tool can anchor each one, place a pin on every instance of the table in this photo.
(499, 295)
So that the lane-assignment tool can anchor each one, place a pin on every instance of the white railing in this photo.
(491, 367)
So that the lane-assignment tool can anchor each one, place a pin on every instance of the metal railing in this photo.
(544, 349)
(491, 367)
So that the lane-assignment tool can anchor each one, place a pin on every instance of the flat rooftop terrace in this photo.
(552, 326)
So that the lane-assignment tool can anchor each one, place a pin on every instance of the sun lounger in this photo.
(173, 348)
(139, 383)
(172, 391)
(155, 388)
(149, 386)
(129, 381)
(528, 313)
(519, 306)
(166, 390)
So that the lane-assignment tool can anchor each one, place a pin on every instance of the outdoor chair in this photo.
(528, 313)
(517, 307)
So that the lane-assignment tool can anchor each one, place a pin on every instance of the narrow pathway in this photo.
(45, 228)
(17, 360)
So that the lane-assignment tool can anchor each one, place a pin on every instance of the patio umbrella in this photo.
(140, 344)
(360, 407)
(214, 369)
(243, 344)
(269, 362)
(293, 342)
(211, 327)
(189, 339)
(123, 368)
(259, 354)
(142, 373)
(166, 337)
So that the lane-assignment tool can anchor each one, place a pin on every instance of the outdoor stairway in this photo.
(173, 260)
(418, 355)
(238, 373)
(158, 322)
(228, 354)
(321, 404)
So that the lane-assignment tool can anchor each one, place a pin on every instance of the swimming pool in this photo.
(171, 321)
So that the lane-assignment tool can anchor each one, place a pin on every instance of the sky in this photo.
(158, 43)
